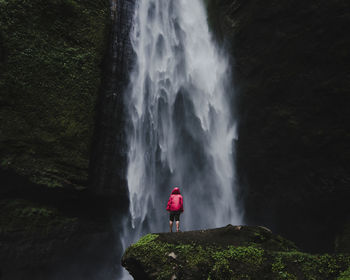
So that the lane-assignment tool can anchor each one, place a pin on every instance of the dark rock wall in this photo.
(46, 234)
(51, 226)
(292, 67)
(108, 158)
(50, 56)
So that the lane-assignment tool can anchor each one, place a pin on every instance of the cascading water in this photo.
(181, 129)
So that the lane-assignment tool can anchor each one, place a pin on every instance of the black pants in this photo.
(175, 215)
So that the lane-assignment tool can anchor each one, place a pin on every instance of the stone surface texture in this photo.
(291, 72)
(231, 252)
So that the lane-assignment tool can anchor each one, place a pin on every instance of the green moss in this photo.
(215, 262)
(344, 275)
(50, 53)
(145, 240)
(278, 269)
(145, 250)
(236, 262)
(24, 216)
(288, 265)
(194, 261)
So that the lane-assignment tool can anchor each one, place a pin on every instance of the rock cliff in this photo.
(61, 61)
(51, 55)
(50, 59)
(231, 252)
(108, 156)
(291, 69)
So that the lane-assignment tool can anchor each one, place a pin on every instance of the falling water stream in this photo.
(181, 128)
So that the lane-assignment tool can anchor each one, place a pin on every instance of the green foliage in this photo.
(50, 53)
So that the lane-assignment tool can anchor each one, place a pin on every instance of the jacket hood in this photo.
(176, 190)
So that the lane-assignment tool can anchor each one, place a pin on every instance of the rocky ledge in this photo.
(231, 252)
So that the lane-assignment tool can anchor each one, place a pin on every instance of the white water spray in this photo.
(181, 129)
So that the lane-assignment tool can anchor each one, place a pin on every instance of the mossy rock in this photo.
(50, 56)
(243, 252)
(20, 215)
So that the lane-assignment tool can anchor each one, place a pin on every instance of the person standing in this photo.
(175, 208)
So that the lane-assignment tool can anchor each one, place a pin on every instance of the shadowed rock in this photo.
(291, 72)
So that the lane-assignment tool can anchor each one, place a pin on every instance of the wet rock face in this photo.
(108, 158)
(231, 252)
(291, 72)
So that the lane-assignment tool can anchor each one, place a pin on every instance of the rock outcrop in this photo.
(291, 65)
(231, 252)
(51, 55)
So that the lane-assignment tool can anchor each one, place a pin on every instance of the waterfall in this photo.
(181, 129)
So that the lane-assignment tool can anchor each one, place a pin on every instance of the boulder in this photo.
(231, 252)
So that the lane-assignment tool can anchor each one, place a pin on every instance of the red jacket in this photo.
(175, 202)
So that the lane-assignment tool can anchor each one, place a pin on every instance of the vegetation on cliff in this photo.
(228, 253)
(51, 53)
(50, 56)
